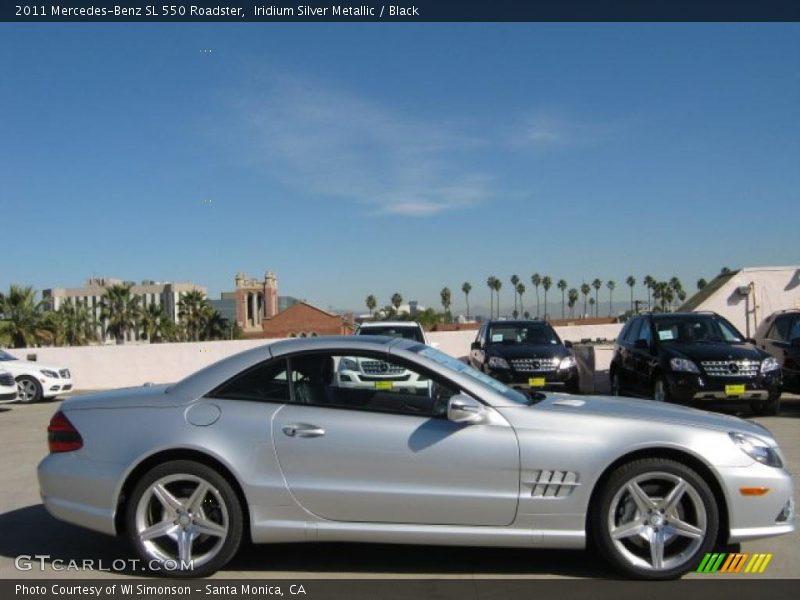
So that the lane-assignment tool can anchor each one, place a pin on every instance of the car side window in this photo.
(780, 329)
(644, 333)
(794, 332)
(368, 382)
(266, 382)
(479, 337)
(630, 336)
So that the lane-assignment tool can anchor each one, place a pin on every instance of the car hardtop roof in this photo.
(390, 324)
(706, 313)
(517, 321)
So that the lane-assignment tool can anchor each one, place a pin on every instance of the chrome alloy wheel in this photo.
(657, 521)
(26, 390)
(182, 518)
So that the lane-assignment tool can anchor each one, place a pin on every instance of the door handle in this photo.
(303, 430)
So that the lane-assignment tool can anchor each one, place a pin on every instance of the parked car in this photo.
(691, 358)
(35, 380)
(372, 373)
(263, 446)
(527, 354)
(779, 334)
(8, 387)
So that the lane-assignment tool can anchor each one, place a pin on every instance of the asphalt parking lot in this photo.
(27, 529)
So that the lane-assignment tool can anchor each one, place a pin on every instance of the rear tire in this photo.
(28, 390)
(654, 519)
(769, 407)
(184, 519)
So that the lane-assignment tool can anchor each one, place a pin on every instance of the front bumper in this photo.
(8, 396)
(754, 517)
(52, 387)
(692, 387)
(564, 380)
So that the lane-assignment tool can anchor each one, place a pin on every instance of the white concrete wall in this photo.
(105, 367)
(776, 288)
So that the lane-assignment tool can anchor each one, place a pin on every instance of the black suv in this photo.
(687, 357)
(527, 354)
(779, 335)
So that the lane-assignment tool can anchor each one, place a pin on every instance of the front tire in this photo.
(654, 519)
(615, 384)
(769, 407)
(184, 520)
(661, 390)
(29, 390)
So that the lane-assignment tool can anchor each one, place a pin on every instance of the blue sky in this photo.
(357, 159)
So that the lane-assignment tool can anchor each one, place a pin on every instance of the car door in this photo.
(778, 343)
(642, 358)
(626, 373)
(382, 450)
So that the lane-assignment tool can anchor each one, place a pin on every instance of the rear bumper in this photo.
(80, 491)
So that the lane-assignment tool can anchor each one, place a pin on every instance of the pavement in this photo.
(27, 529)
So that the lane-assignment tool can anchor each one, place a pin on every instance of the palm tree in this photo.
(397, 300)
(497, 285)
(155, 323)
(194, 311)
(724, 271)
(536, 280)
(649, 283)
(490, 283)
(592, 304)
(520, 291)
(547, 283)
(76, 324)
(372, 302)
(597, 284)
(514, 282)
(445, 296)
(631, 281)
(675, 285)
(572, 295)
(217, 326)
(701, 283)
(585, 290)
(466, 287)
(562, 285)
(610, 285)
(22, 317)
(119, 311)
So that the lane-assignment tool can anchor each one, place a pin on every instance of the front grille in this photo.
(553, 484)
(379, 367)
(730, 368)
(6, 379)
(390, 376)
(535, 365)
(64, 373)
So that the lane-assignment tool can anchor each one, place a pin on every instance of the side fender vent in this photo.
(552, 484)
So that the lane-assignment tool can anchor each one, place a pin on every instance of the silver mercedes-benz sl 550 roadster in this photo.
(273, 445)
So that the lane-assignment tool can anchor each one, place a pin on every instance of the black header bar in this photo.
(413, 11)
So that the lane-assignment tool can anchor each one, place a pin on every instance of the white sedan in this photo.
(35, 380)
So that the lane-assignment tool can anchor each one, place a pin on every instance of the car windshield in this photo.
(463, 368)
(407, 333)
(696, 329)
(6, 356)
(532, 334)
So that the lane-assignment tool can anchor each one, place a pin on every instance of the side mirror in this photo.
(475, 346)
(641, 345)
(750, 341)
(464, 409)
(795, 343)
(567, 344)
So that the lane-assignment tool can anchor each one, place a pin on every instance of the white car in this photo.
(8, 387)
(35, 380)
(365, 372)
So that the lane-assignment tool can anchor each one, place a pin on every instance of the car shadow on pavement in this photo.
(31, 531)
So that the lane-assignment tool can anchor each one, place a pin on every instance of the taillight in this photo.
(62, 435)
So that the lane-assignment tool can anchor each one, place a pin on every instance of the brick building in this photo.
(305, 320)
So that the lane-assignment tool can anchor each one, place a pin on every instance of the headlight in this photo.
(684, 365)
(348, 364)
(757, 449)
(49, 373)
(567, 363)
(770, 364)
(498, 363)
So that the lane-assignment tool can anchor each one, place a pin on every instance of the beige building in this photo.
(165, 294)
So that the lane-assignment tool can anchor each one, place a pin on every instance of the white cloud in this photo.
(332, 143)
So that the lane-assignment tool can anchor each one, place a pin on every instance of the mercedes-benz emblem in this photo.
(733, 368)
(535, 364)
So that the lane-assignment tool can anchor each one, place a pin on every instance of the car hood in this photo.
(132, 397)
(713, 351)
(633, 410)
(526, 350)
(26, 365)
